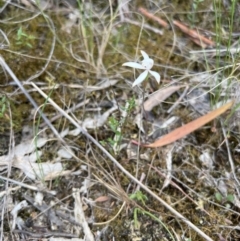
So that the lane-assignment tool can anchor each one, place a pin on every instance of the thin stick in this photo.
(172, 210)
(33, 188)
(178, 100)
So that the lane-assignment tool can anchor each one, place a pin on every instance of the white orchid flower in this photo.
(146, 64)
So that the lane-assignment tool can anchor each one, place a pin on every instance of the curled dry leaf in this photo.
(159, 96)
(206, 159)
(168, 153)
(15, 210)
(98, 120)
(29, 146)
(67, 154)
(25, 157)
(35, 170)
(38, 199)
(80, 216)
(190, 127)
(101, 199)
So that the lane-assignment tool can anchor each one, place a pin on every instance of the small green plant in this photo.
(140, 197)
(3, 102)
(131, 104)
(229, 198)
(192, 15)
(218, 197)
(117, 126)
(23, 38)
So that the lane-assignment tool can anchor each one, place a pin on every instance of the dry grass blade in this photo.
(190, 127)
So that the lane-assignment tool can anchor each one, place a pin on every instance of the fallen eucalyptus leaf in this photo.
(188, 128)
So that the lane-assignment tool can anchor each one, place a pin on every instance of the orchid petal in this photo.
(145, 55)
(133, 65)
(140, 78)
(155, 75)
(147, 63)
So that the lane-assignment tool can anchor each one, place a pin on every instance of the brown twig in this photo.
(153, 17)
(195, 36)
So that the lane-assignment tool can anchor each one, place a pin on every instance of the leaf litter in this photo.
(185, 158)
